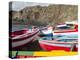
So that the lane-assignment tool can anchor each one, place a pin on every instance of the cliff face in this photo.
(51, 14)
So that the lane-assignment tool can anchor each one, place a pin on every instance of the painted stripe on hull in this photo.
(69, 33)
(24, 35)
(55, 44)
(66, 31)
(19, 43)
(48, 46)
(20, 39)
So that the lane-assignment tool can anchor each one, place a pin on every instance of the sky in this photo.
(16, 6)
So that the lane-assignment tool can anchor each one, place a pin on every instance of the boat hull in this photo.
(47, 31)
(24, 40)
(49, 47)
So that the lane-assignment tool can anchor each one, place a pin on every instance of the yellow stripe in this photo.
(54, 53)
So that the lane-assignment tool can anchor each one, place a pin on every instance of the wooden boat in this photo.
(46, 31)
(67, 29)
(59, 44)
(62, 29)
(22, 37)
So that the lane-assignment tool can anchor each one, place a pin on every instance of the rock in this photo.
(52, 14)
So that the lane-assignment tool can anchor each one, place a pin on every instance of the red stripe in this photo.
(49, 47)
(67, 31)
(24, 56)
(16, 33)
(20, 39)
(64, 43)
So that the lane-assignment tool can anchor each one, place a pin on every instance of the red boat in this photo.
(62, 29)
(66, 29)
(59, 44)
(22, 37)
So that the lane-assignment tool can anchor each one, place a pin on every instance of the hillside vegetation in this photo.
(45, 15)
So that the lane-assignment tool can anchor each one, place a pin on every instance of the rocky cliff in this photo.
(43, 15)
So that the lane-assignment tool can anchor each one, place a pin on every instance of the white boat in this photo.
(47, 31)
(22, 37)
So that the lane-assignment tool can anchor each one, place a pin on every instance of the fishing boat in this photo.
(59, 44)
(22, 37)
(61, 29)
(66, 29)
(46, 31)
